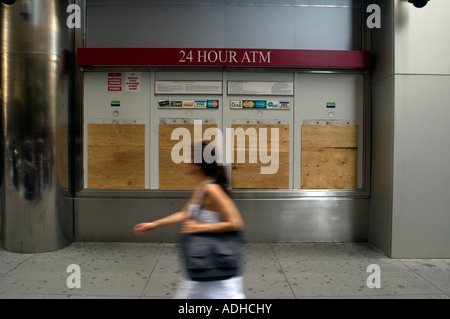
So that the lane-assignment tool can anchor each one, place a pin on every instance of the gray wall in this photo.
(410, 216)
(286, 24)
(380, 224)
(421, 215)
(267, 220)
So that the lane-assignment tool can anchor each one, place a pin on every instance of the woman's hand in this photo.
(191, 226)
(141, 229)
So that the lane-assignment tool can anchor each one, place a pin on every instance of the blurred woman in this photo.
(218, 214)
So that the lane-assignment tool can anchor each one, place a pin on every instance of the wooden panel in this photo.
(172, 175)
(329, 136)
(116, 156)
(329, 156)
(248, 175)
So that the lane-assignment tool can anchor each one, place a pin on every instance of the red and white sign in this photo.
(133, 82)
(115, 82)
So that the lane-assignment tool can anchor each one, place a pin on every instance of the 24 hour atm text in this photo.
(224, 56)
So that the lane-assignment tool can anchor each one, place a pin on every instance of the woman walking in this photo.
(209, 210)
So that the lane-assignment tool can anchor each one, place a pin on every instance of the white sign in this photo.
(260, 88)
(188, 87)
(133, 82)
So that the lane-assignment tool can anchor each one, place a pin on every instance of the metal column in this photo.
(36, 93)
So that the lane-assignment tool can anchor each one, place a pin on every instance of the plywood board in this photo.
(171, 174)
(116, 156)
(329, 156)
(329, 136)
(248, 175)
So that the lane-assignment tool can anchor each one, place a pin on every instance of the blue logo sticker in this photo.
(260, 104)
(272, 105)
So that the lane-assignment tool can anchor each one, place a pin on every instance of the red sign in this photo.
(223, 57)
(114, 82)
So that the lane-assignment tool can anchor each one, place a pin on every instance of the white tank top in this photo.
(204, 216)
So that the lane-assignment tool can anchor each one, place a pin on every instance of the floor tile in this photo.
(436, 271)
(350, 277)
(270, 271)
(166, 274)
(263, 276)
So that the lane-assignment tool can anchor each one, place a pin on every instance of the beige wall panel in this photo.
(248, 175)
(172, 175)
(329, 156)
(116, 156)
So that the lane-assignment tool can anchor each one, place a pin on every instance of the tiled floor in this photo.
(272, 271)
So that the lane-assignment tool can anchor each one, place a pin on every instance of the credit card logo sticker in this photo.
(200, 104)
(176, 103)
(285, 105)
(260, 104)
(236, 104)
(164, 103)
(272, 104)
(188, 104)
(212, 104)
(249, 104)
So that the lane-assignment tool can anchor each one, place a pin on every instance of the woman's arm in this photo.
(175, 218)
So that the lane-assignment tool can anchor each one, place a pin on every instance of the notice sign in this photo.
(188, 87)
(115, 82)
(260, 88)
(133, 82)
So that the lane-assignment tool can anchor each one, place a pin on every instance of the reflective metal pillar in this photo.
(36, 89)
